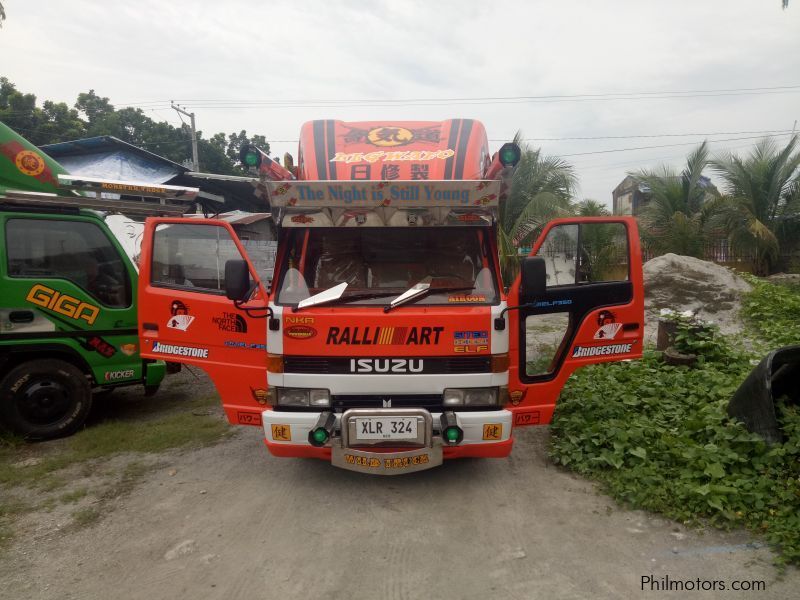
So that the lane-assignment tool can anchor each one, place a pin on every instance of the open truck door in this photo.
(580, 301)
(202, 303)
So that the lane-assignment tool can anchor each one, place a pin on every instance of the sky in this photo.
(634, 74)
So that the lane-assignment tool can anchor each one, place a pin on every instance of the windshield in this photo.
(379, 263)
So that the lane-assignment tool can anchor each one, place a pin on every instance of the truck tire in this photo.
(44, 399)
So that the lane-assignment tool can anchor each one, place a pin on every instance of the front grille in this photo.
(430, 402)
(440, 365)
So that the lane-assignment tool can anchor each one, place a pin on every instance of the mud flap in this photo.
(754, 402)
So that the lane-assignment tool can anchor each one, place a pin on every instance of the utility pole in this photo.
(195, 158)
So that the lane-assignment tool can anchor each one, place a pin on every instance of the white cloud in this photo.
(244, 51)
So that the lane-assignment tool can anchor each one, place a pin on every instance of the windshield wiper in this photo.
(333, 295)
(419, 291)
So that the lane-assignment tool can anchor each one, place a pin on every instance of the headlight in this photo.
(303, 397)
(470, 397)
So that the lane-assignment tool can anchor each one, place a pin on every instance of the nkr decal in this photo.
(384, 336)
(389, 135)
(180, 319)
(187, 351)
(589, 351)
(230, 322)
(48, 298)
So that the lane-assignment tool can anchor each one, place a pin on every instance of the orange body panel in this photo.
(403, 150)
(534, 403)
(229, 346)
(236, 358)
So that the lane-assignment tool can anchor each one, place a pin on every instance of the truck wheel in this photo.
(44, 399)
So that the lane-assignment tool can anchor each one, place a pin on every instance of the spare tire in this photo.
(44, 399)
(776, 376)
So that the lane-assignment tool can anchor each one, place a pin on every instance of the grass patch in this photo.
(772, 312)
(73, 496)
(658, 438)
(105, 439)
(86, 516)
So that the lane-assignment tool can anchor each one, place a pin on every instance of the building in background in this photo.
(629, 197)
(109, 157)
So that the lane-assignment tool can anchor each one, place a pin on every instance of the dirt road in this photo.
(231, 522)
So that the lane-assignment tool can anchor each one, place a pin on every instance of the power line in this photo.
(613, 95)
(663, 146)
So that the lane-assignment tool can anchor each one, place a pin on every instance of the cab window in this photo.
(76, 251)
(379, 262)
(192, 257)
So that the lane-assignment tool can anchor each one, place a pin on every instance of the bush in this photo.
(659, 438)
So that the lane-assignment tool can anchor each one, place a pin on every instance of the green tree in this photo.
(591, 208)
(95, 115)
(541, 190)
(673, 219)
(762, 203)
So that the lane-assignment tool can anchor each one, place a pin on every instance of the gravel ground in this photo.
(229, 521)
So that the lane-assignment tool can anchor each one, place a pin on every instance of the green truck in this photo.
(68, 325)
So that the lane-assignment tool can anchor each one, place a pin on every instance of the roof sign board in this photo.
(305, 195)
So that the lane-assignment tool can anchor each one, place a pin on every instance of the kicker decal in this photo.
(384, 336)
(51, 299)
(187, 351)
(117, 375)
(589, 351)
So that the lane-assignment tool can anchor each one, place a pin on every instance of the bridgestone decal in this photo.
(586, 352)
(159, 348)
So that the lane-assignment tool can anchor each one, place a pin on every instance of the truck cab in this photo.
(386, 340)
(68, 290)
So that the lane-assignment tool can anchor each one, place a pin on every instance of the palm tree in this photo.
(673, 219)
(762, 199)
(541, 189)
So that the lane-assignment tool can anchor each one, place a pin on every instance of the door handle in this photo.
(21, 316)
(149, 327)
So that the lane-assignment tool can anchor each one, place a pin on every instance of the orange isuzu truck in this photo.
(387, 341)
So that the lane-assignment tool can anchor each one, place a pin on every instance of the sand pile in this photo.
(682, 283)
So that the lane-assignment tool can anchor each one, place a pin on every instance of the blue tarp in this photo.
(119, 164)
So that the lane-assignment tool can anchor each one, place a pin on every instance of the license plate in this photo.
(386, 428)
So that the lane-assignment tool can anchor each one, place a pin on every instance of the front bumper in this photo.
(487, 434)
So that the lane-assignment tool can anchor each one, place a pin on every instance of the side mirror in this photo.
(237, 280)
(534, 279)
